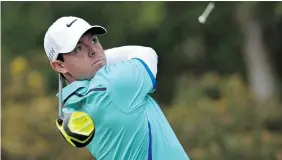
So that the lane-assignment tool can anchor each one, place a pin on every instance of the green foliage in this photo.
(228, 126)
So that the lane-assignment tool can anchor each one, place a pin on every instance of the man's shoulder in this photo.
(79, 90)
(106, 72)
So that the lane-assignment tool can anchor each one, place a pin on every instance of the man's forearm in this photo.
(147, 54)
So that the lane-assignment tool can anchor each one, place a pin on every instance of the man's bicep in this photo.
(149, 71)
(131, 82)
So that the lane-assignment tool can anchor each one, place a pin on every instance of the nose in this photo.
(91, 54)
(92, 51)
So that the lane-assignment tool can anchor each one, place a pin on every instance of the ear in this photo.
(58, 66)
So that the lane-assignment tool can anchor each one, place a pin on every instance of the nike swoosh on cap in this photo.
(68, 25)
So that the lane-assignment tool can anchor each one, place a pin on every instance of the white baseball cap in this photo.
(64, 34)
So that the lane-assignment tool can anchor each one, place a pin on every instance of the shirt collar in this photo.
(72, 87)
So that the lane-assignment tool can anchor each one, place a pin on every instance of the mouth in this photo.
(96, 62)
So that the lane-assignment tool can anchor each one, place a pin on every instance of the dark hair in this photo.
(61, 58)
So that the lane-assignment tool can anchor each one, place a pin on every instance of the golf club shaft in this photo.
(60, 95)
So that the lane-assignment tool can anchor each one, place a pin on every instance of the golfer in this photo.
(112, 86)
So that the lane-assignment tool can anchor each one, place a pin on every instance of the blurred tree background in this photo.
(219, 83)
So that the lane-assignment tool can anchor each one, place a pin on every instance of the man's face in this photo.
(85, 60)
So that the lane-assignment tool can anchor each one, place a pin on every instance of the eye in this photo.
(94, 39)
(78, 49)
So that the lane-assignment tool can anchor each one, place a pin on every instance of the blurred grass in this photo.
(214, 117)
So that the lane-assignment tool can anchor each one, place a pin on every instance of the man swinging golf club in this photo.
(106, 103)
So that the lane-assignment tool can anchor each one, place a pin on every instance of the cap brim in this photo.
(98, 30)
(74, 38)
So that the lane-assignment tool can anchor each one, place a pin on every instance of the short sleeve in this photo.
(147, 54)
(131, 81)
